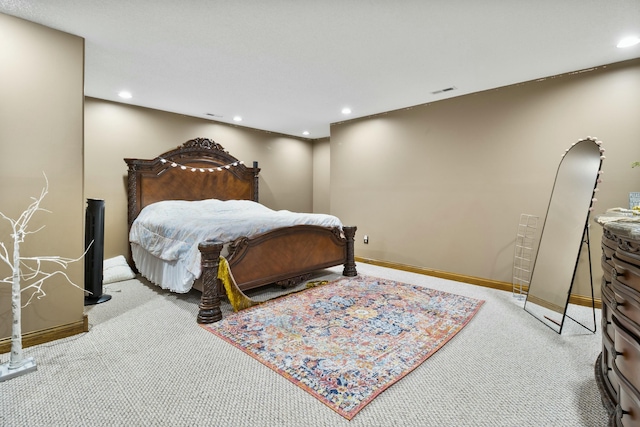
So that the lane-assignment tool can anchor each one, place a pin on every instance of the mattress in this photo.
(165, 236)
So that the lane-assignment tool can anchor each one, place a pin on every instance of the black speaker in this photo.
(94, 258)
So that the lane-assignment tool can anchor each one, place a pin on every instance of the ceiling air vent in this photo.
(447, 89)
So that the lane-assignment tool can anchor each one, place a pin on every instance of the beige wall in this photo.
(114, 131)
(438, 186)
(442, 185)
(321, 175)
(41, 119)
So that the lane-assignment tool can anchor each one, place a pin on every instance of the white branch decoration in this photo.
(30, 270)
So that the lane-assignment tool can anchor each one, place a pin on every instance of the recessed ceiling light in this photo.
(125, 95)
(306, 132)
(629, 41)
(237, 118)
(346, 110)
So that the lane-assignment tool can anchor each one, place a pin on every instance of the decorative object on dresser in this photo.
(201, 170)
(617, 369)
(564, 234)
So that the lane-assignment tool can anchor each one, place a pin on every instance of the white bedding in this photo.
(171, 231)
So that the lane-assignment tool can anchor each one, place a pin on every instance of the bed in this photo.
(202, 170)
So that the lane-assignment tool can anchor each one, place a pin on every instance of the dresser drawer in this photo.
(628, 410)
(626, 350)
(628, 249)
(626, 367)
(626, 273)
(606, 270)
(610, 379)
(607, 255)
(626, 302)
(607, 310)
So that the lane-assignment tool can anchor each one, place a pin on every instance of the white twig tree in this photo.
(28, 270)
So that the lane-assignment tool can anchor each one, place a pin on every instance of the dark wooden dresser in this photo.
(617, 369)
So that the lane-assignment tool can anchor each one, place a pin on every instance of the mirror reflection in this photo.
(563, 233)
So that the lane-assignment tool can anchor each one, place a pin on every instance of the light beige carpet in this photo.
(145, 362)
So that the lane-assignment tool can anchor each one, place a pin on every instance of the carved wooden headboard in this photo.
(198, 169)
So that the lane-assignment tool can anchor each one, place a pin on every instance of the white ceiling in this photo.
(287, 66)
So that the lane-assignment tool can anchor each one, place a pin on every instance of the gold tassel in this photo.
(237, 298)
(239, 301)
(316, 283)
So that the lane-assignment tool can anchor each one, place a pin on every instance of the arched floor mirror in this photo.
(564, 233)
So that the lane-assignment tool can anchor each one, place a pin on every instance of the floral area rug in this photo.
(347, 341)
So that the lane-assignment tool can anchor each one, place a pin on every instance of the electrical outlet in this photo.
(366, 239)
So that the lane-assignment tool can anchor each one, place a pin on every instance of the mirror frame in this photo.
(564, 233)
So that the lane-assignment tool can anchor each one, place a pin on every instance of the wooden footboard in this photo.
(275, 256)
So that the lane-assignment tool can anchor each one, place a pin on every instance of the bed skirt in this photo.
(173, 276)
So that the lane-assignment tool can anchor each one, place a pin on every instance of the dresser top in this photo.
(621, 222)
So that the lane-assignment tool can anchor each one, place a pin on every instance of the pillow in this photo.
(116, 270)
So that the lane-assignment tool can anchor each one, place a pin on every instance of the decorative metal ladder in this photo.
(523, 258)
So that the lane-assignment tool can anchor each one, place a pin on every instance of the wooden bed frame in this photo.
(201, 169)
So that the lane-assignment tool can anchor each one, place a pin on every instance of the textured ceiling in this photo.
(288, 66)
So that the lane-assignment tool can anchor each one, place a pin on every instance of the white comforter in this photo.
(172, 230)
